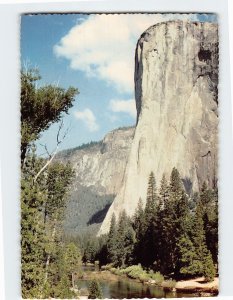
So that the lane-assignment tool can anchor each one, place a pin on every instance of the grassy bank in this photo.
(136, 272)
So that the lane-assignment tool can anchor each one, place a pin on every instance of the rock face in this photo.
(99, 169)
(176, 77)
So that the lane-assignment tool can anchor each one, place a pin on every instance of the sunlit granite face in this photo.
(176, 77)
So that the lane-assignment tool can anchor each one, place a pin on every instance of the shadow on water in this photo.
(127, 288)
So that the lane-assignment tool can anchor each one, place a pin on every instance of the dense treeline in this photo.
(47, 263)
(68, 152)
(173, 234)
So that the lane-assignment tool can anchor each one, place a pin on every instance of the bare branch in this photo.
(58, 133)
(46, 149)
(51, 156)
(46, 165)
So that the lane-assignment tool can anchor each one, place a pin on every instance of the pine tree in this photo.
(205, 265)
(209, 201)
(62, 289)
(161, 225)
(42, 197)
(33, 196)
(139, 228)
(112, 241)
(95, 291)
(149, 251)
(188, 260)
(138, 218)
(125, 240)
(71, 259)
(176, 222)
(150, 199)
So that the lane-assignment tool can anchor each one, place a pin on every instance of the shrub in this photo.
(106, 267)
(135, 271)
(116, 271)
(144, 277)
(112, 270)
(157, 277)
(170, 284)
(95, 291)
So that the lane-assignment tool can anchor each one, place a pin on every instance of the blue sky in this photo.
(94, 53)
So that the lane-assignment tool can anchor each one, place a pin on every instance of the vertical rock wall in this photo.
(176, 78)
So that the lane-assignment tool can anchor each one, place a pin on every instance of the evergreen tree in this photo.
(188, 260)
(175, 222)
(102, 254)
(205, 265)
(40, 107)
(95, 291)
(161, 225)
(150, 199)
(62, 289)
(209, 202)
(33, 196)
(71, 259)
(139, 228)
(149, 250)
(42, 197)
(112, 241)
(125, 240)
(138, 224)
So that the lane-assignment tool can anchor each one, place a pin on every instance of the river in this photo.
(127, 288)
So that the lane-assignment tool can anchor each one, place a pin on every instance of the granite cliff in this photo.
(176, 78)
(99, 168)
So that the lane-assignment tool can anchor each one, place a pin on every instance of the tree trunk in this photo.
(48, 261)
(72, 277)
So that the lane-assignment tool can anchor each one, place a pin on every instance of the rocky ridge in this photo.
(99, 168)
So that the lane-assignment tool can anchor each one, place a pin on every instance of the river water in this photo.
(127, 288)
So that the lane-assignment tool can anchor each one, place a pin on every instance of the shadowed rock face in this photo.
(99, 169)
(176, 77)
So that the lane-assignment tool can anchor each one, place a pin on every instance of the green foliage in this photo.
(204, 257)
(82, 216)
(106, 267)
(135, 272)
(157, 277)
(167, 236)
(45, 270)
(189, 264)
(121, 239)
(112, 241)
(95, 291)
(170, 284)
(125, 240)
(40, 107)
(71, 258)
(33, 197)
(64, 154)
(62, 290)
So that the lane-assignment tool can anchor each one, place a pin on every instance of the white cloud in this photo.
(88, 118)
(103, 46)
(126, 106)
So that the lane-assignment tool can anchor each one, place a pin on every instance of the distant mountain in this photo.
(99, 170)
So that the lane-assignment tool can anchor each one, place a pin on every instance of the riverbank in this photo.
(196, 286)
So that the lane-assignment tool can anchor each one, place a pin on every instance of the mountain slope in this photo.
(99, 169)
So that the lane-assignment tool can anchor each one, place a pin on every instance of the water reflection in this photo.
(124, 288)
